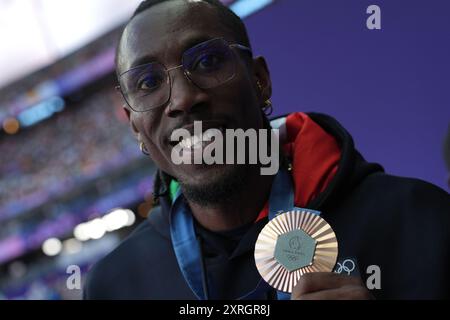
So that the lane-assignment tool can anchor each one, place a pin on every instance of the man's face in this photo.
(162, 33)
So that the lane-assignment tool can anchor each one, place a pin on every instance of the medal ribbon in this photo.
(187, 249)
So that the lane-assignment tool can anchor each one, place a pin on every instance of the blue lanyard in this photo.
(187, 249)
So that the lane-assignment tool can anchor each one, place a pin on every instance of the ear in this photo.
(132, 125)
(262, 75)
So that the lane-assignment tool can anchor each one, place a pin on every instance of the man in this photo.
(185, 61)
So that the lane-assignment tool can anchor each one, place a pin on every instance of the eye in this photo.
(150, 82)
(208, 62)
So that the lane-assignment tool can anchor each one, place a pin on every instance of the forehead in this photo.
(164, 31)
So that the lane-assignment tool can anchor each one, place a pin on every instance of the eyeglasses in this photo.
(207, 65)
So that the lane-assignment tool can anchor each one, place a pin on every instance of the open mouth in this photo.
(200, 135)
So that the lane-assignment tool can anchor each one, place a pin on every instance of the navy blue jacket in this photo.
(399, 224)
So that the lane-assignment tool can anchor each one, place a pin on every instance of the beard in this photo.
(223, 188)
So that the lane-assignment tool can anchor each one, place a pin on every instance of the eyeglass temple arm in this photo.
(241, 47)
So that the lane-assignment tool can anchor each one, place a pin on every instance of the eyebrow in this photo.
(191, 42)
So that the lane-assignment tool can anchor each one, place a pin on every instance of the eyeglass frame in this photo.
(230, 45)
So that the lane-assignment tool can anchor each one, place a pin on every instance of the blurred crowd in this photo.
(76, 148)
(81, 143)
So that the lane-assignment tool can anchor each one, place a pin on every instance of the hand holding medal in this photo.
(296, 252)
(292, 244)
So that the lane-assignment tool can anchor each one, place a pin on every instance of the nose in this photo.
(185, 95)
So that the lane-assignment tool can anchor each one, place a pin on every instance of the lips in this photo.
(196, 140)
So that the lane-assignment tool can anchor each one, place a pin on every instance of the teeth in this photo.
(191, 142)
(195, 142)
(183, 144)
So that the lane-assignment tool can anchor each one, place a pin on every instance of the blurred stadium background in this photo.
(73, 182)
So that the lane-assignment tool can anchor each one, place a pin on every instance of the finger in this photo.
(317, 281)
(343, 293)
